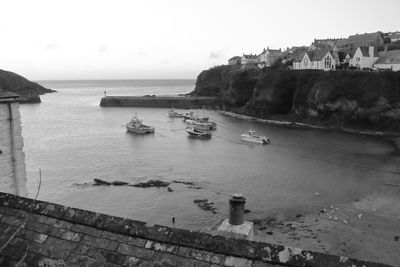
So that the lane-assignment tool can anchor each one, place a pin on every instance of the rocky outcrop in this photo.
(340, 99)
(29, 91)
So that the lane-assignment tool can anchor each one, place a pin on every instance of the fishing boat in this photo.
(204, 126)
(188, 116)
(252, 137)
(195, 132)
(173, 114)
(135, 125)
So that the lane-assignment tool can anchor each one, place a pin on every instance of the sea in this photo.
(69, 140)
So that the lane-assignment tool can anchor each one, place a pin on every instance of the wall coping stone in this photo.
(252, 250)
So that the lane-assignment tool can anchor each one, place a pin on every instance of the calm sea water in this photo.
(73, 140)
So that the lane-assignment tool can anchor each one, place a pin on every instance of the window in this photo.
(305, 62)
(328, 63)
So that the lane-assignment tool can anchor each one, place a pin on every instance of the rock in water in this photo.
(118, 183)
(100, 182)
(151, 183)
(204, 204)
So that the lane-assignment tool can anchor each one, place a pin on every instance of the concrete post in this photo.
(236, 209)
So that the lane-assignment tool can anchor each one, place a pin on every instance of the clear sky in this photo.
(150, 39)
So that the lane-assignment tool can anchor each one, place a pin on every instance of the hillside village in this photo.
(375, 51)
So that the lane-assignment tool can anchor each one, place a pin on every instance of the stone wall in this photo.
(45, 234)
(12, 157)
(159, 102)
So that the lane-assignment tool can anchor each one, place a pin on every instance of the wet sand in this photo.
(366, 228)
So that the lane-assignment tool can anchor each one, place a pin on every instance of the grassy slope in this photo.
(29, 91)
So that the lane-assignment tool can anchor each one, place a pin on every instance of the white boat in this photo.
(205, 126)
(135, 125)
(173, 114)
(252, 137)
(195, 132)
(189, 116)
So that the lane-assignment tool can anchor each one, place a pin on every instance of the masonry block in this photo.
(100, 243)
(86, 230)
(138, 252)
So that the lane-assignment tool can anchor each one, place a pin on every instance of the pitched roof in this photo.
(365, 51)
(235, 58)
(317, 55)
(250, 56)
(391, 57)
(271, 51)
(363, 38)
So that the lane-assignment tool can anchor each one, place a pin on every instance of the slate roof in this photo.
(54, 235)
(365, 51)
(271, 51)
(362, 38)
(317, 55)
(250, 56)
(234, 58)
(391, 57)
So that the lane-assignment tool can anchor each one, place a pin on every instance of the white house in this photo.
(12, 157)
(364, 57)
(268, 57)
(390, 60)
(316, 60)
(249, 59)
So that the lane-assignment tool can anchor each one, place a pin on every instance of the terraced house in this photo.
(268, 57)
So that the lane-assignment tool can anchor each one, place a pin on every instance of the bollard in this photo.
(236, 209)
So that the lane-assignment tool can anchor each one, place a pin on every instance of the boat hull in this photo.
(141, 130)
(198, 133)
(175, 115)
(255, 139)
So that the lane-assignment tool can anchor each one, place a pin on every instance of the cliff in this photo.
(29, 91)
(361, 100)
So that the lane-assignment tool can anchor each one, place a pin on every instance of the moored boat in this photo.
(173, 114)
(252, 137)
(205, 126)
(195, 132)
(135, 125)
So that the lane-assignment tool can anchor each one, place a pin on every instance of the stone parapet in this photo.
(63, 236)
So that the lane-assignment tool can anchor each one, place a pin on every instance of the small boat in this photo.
(188, 116)
(195, 132)
(173, 114)
(135, 125)
(252, 137)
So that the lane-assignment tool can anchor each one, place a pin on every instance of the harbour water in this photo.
(73, 140)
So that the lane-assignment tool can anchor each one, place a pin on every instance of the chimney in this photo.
(371, 51)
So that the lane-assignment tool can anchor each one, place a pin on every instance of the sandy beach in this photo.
(367, 228)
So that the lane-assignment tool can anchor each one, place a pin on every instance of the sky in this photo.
(168, 39)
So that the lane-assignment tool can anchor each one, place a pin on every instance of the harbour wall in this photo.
(184, 102)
